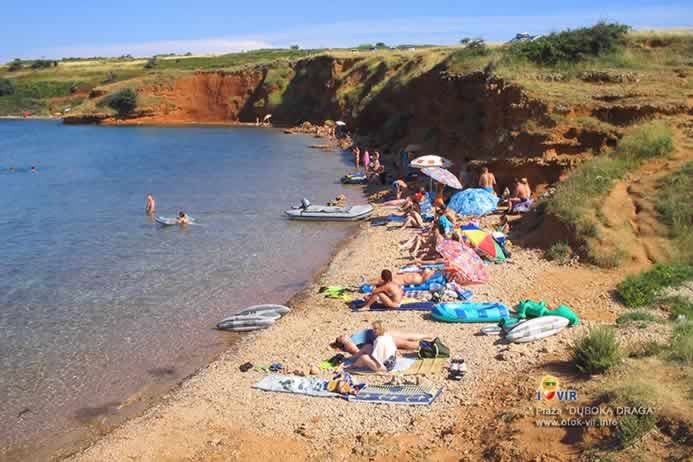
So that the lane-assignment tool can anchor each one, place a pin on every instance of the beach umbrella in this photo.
(463, 263)
(430, 161)
(475, 202)
(340, 123)
(442, 176)
(483, 243)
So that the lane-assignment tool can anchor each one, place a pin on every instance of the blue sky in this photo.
(61, 28)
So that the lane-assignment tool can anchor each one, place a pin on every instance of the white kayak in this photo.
(326, 213)
(242, 322)
(537, 328)
(166, 221)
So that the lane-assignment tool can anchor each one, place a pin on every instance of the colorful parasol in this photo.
(473, 202)
(430, 161)
(465, 265)
(442, 176)
(483, 243)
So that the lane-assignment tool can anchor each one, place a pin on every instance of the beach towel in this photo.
(421, 268)
(310, 386)
(522, 207)
(413, 306)
(398, 394)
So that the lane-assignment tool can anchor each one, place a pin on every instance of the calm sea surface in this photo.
(97, 302)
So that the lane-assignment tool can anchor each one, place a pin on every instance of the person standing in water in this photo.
(487, 180)
(150, 208)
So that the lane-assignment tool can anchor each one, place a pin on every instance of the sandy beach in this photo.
(217, 415)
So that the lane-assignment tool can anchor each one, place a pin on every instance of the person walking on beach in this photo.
(487, 180)
(366, 160)
(357, 156)
(150, 208)
(389, 293)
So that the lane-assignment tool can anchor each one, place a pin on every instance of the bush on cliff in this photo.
(573, 45)
(6, 87)
(123, 101)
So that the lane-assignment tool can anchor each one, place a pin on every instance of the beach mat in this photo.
(408, 366)
(413, 306)
(398, 394)
(309, 386)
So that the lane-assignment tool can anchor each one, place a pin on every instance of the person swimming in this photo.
(183, 218)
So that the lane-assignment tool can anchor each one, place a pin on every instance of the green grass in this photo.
(597, 351)
(679, 306)
(643, 289)
(577, 197)
(682, 342)
(559, 252)
(632, 428)
(674, 208)
(233, 60)
(635, 316)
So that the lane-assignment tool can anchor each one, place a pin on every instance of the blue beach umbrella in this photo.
(474, 202)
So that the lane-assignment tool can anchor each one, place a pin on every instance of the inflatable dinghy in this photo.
(325, 213)
(166, 221)
(262, 309)
(243, 322)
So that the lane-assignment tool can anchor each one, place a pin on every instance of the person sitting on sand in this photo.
(414, 217)
(521, 192)
(487, 180)
(150, 208)
(389, 293)
(381, 356)
(403, 341)
(183, 218)
(399, 186)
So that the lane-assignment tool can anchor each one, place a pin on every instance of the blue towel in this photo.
(417, 306)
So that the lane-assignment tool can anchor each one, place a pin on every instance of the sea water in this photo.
(97, 302)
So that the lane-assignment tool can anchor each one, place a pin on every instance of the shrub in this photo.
(635, 316)
(15, 65)
(151, 63)
(123, 101)
(559, 252)
(679, 306)
(631, 428)
(651, 348)
(597, 351)
(673, 208)
(648, 141)
(682, 342)
(294, 47)
(6, 87)
(642, 289)
(573, 45)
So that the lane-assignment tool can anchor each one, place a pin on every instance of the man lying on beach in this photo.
(389, 293)
(403, 341)
(408, 278)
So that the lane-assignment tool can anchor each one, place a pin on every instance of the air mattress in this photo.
(537, 328)
(469, 312)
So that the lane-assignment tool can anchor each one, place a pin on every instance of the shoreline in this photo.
(216, 415)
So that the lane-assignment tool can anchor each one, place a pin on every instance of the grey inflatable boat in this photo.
(325, 213)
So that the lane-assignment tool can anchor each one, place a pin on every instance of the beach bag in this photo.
(434, 349)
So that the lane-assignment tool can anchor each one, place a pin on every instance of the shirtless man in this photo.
(487, 180)
(150, 208)
(522, 192)
(357, 156)
(389, 293)
(183, 218)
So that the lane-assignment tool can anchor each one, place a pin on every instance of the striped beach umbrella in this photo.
(442, 176)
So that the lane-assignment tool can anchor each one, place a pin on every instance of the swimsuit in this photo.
(488, 189)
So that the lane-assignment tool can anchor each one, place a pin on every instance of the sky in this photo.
(66, 28)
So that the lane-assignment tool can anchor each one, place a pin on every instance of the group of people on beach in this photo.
(379, 353)
(372, 166)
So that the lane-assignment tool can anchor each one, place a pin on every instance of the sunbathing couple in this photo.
(379, 352)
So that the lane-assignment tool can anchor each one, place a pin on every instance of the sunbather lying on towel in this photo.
(407, 278)
(403, 341)
(381, 355)
(389, 293)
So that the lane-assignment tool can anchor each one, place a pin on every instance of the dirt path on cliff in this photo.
(628, 216)
(216, 415)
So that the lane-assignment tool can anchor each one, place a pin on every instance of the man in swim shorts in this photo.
(487, 180)
(150, 208)
(389, 293)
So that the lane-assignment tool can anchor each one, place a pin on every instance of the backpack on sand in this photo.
(434, 349)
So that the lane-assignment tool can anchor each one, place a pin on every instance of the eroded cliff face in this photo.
(390, 105)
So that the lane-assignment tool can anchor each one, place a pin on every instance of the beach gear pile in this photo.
(533, 321)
